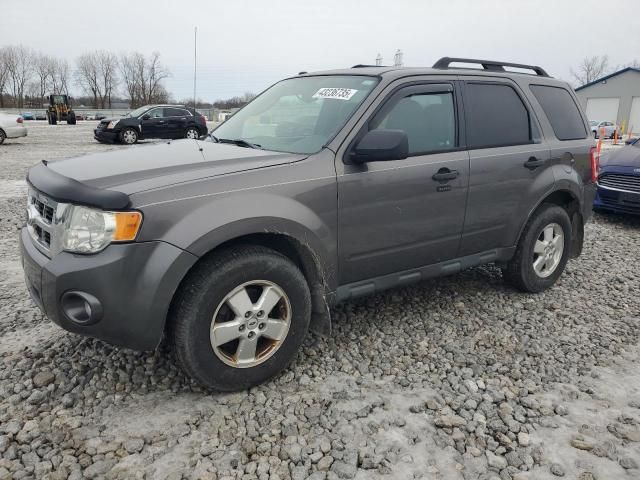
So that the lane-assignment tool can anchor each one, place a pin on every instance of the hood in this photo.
(140, 168)
(628, 156)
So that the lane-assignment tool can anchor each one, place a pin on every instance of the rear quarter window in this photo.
(561, 110)
(495, 116)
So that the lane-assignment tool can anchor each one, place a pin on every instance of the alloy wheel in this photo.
(250, 324)
(129, 137)
(548, 250)
(192, 133)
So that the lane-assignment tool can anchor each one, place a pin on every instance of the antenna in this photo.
(195, 63)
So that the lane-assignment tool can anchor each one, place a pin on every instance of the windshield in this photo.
(138, 111)
(298, 115)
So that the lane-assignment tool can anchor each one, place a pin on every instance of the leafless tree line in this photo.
(29, 75)
(593, 68)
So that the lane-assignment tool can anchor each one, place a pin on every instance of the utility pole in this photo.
(378, 60)
(195, 63)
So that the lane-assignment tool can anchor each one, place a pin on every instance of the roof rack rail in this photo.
(492, 65)
(362, 65)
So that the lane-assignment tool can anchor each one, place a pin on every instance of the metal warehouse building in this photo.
(614, 98)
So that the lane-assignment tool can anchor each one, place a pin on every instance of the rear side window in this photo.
(561, 110)
(175, 112)
(495, 116)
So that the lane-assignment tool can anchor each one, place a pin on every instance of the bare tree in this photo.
(44, 68)
(142, 78)
(590, 69)
(87, 76)
(60, 81)
(108, 69)
(4, 74)
(19, 66)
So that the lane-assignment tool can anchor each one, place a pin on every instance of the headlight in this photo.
(112, 124)
(87, 230)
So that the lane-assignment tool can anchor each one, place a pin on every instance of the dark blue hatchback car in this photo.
(619, 181)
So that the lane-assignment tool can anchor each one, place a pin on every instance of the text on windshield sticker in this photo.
(336, 93)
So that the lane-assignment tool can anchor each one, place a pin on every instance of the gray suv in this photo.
(326, 187)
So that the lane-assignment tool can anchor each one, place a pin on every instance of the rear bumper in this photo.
(108, 136)
(133, 285)
(617, 201)
(16, 132)
(587, 206)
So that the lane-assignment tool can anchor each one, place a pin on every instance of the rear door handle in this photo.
(444, 175)
(533, 163)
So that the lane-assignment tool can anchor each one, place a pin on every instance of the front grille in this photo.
(620, 181)
(43, 223)
(45, 211)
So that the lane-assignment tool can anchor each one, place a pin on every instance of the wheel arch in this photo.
(301, 254)
(568, 199)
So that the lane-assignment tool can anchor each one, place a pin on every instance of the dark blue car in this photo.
(619, 181)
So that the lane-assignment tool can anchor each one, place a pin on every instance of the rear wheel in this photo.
(2, 136)
(53, 120)
(192, 133)
(71, 118)
(240, 318)
(543, 251)
(129, 136)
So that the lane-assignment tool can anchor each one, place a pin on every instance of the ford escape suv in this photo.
(327, 186)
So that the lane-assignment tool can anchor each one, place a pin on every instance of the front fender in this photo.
(199, 225)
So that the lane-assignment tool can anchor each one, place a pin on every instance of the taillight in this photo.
(595, 163)
(19, 120)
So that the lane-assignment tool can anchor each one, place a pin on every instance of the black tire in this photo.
(199, 297)
(128, 136)
(192, 131)
(519, 271)
(2, 136)
(71, 118)
(54, 119)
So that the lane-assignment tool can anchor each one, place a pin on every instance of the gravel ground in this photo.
(455, 378)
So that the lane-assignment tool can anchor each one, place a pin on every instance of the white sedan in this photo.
(11, 126)
(610, 129)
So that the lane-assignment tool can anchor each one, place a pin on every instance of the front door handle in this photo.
(533, 163)
(444, 175)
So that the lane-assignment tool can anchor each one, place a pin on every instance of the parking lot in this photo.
(456, 378)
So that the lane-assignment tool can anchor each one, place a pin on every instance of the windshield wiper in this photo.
(240, 142)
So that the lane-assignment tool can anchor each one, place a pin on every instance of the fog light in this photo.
(81, 308)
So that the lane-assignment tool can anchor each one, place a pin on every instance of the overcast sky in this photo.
(247, 45)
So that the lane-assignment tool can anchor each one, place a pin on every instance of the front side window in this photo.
(428, 120)
(562, 112)
(156, 113)
(298, 115)
(495, 116)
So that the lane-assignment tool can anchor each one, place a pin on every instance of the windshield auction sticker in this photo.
(335, 93)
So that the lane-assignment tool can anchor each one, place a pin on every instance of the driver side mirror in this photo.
(381, 145)
(146, 117)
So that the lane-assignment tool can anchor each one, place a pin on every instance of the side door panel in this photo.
(156, 125)
(506, 181)
(392, 215)
(177, 120)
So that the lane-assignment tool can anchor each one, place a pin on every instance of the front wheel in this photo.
(240, 318)
(71, 118)
(543, 251)
(192, 133)
(2, 136)
(129, 136)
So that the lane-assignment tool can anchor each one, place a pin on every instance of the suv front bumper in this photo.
(110, 136)
(133, 283)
